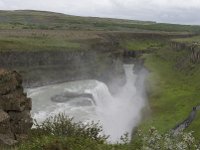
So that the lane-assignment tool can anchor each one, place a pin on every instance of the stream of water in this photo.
(118, 114)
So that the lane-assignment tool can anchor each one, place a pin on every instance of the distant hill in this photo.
(30, 19)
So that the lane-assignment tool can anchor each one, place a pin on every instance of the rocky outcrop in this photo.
(178, 45)
(15, 119)
(195, 53)
(67, 96)
(49, 67)
(186, 123)
(192, 48)
(102, 59)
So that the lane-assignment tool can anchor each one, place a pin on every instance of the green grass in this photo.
(174, 90)
(37, 40)
(61, 133)
(142, 44)
(36, 44)
(29, 30)
(193, 39)
(28, 19)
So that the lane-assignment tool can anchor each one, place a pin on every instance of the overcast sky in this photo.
(172, 11)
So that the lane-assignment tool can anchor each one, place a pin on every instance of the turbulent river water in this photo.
(118, 114)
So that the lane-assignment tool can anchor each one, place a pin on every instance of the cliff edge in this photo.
(15, 118)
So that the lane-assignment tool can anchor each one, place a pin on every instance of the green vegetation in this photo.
(28, 30)
(142, 44)
(61, 133)
(194, 39)
(41, 40)
(174, 85)
(36, 43)
(26, 19)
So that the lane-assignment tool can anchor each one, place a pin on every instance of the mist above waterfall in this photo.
(118, 114)
(121, 112)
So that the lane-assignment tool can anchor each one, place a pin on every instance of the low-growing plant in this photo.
(62, 133)
(64, 126)
(169, 141)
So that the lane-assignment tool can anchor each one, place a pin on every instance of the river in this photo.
(118, 114)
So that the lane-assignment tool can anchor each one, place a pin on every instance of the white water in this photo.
(117, 114)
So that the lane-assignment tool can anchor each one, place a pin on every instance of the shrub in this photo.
(156, 141)
(64, 126)
(62, 133)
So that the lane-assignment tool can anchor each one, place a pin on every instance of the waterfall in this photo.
(118, 114)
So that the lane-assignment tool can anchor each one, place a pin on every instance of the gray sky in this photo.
(172, 11)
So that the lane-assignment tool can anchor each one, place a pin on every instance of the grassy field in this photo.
(194, 39)
(28, 30)
(53, 21)
(37, 40)
(174, 89)
(142, 44)
(35, 44)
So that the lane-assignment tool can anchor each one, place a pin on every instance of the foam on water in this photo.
(117, 114)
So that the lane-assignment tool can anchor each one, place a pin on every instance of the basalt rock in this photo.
(192, 48)
(15, 118)
(195, 53)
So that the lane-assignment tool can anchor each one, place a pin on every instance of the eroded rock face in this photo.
(15, 118)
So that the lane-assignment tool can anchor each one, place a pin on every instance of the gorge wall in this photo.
(193, 50)
(102, 61)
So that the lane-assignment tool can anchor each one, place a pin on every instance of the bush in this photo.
(156, 141)
(61, 133)
(64, 126)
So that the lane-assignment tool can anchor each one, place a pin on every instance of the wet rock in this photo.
(82, 102)
(67, 96)
(186, 123)
(15, 118)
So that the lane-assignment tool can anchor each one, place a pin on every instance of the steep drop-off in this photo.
(103, 61)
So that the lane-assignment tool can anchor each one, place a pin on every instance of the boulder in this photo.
(67, 96)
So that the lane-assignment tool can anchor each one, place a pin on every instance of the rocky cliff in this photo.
(15, 119)
(193, 50)
(102, 60)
